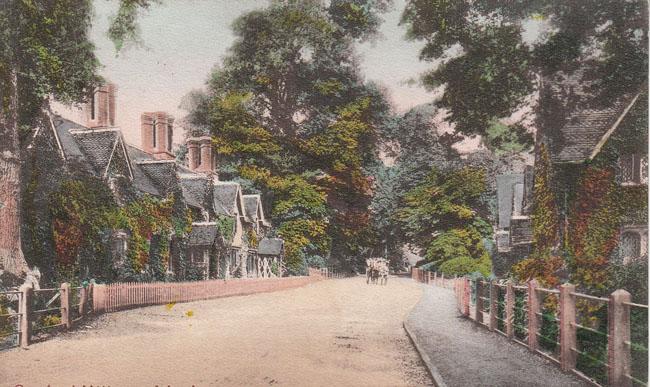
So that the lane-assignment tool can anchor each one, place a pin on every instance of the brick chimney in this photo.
(157, 132)
(100, 110)
(199, 154)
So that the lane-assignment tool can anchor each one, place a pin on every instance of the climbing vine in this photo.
(226, 228)
(81, 211)
(592, 236)
(544, 262)
(150, 223)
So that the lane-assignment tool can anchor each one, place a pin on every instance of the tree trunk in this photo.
(11, 254)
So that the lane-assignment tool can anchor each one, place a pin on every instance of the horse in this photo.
(383, 274)
(376, 271)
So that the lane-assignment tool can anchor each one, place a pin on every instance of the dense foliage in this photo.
(445, 217)
(544, 262)
(494, 52)
(84, 217)
(291, 117)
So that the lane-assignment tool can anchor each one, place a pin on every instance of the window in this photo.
(170, 135)
(630, 246)
(198, 157)
(633, 169)
(153, 126)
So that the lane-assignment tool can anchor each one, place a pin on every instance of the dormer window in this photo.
(633, 169)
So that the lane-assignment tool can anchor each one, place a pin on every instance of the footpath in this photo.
(460, 353)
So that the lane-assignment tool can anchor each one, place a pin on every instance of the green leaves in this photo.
(442, 216)
(489, 53)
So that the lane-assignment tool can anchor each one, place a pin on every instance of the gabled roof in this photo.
(587, 130)
(270, 246)
(93, 148)
(227, 198)
(203, 234)
(141, 181)
(253, 208)
(161, 172)
(197, 190)
(251, 204)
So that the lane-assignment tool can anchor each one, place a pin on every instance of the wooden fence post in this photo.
(466, 295)
(567, 327)
(479, 302)
(618, 346)
(65, 305)
(435, 278)
(533, 309)
(25, 310)
(83, 300)
(494, 299)
(510, 310)
(99, 298)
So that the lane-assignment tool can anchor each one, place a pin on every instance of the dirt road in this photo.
(335, 333)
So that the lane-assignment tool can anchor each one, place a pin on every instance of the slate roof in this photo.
(62, 128)
(141, 181)
(506, 186)
(251, 203)
(580, 135)
(197, 190)
(97, 147)
(225, 195)
(270, 246)
(584, 130)
(203, 234)
(92, 148)
(162, 173)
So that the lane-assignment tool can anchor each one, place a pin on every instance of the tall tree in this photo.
(491, 66)
(288, 101)
(413, 145)
(445, 216)
(44, 52)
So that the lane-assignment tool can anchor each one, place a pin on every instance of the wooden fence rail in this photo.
(63, 307)
(568, 306)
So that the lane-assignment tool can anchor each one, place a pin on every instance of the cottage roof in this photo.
(270, 246)
(506, 189)
(581, 134)
(253, 208)
(141, 181)
(227, 198)
(197, 190)
(203, 234)
(92, 148)
(586, 131)
(162, 173)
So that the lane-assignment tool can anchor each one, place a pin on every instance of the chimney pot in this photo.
(100, 111)
(157, 132)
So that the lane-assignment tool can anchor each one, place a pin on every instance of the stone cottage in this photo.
(218, 245)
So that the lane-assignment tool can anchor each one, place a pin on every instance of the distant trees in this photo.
(444, 216)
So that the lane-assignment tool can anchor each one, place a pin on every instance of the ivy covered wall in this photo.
(578, 213)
